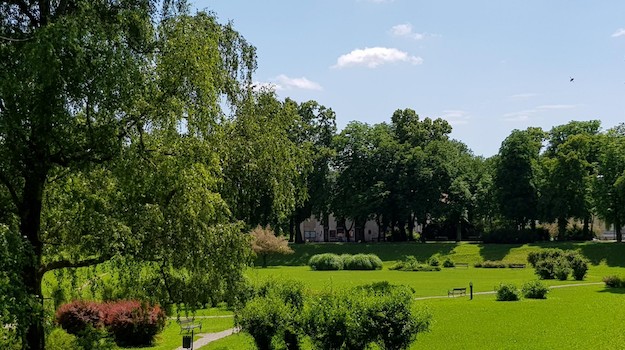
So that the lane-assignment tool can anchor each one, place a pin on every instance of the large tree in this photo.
(109, 112)
(516, 176)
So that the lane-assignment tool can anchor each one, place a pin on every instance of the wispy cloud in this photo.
(619, 32)
(519, 116)
(523, 96)
(283, 82)
(456, 116)
(405, 30)
(297, 83)
(371, 57)
(543, 107)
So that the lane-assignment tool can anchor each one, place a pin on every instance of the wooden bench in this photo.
(517, 266)
(465, 265)
(456, 291)
(188, 324)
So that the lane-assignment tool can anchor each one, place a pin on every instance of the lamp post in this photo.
(471, 290)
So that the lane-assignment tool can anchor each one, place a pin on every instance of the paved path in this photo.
(206, 338)
(493, 292)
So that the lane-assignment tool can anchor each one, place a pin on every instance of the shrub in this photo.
(579, 265)
(263, 318)
(133, 323)
(562, 271)
(614, 281)
(326, 261)
(551, 253)
(361, 262)
(410, 263)
(433, 261)
(448, 263)
(545, 269)
(59, 339)
(535, 290)
(507, 292)
(76, 316)
(325, 320)
(489, 264)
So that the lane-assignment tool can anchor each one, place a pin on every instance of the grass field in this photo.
(582, 317)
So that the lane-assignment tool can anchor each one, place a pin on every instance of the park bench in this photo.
(440, 238)
(465, 265)
(457, 291)
(188, 324)
(517, 266)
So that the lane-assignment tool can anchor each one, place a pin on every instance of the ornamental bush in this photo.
(578, 264)
(326, 261)
(490, 264)
(558, 263)
(562, 271)
(362, 262)
(449, 263)
(434, 261)
(410, 263)
(78, 315)
(133, 323)
(507, 292)
(534, 290)
(614, 281)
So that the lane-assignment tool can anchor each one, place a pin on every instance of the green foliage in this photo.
(434, 261)
(511, 235)
(558, 263)
(448, 263)
(410, 263)
(546, 268)
(489, 264)
(59, 339)
(614, 281)
(507, 292)
(326, 261)
(534, 290)
(330, 261)
(578, 264)
(562, 271)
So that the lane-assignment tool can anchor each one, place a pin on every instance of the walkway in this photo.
(206, 338)
(493, 292)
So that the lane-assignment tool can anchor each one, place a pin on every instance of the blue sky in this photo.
(487, 67)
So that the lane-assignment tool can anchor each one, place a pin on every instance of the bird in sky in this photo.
(571, 79)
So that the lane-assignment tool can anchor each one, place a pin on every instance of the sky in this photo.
(487, 67)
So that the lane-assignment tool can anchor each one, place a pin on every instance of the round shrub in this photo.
(507, 292)
(579, 266)
(562, 272)
(59, 339)
(614, 281)
(362, 262)
(76, 316)
(545, 269)
(326, 261)
(535, 290)
(133, 323)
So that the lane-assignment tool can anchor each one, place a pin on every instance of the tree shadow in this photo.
(494, 252)
(612, 290)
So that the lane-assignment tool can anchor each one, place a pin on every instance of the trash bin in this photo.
(187, 342)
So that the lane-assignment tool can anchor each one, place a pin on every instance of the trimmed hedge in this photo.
(490, 264)
(329, 261)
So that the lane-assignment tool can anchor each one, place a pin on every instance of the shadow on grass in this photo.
(612, 290)
(496, 252)
(610, 253)
(385, 251)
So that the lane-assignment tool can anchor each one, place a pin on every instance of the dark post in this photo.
(471, 290)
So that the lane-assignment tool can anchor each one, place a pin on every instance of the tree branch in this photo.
(16, 200)
(61, 264)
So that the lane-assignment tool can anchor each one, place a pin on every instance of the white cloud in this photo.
(619, 32)
(303, 83)
(372, 57)
(283, 82)
(456, 116)
(405, 30)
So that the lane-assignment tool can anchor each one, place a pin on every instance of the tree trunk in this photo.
(411, 227)
(291, 228)
(265, 260)
(30, 224)
(459, 231)
(326, 227)
(298, 232)
(561, 228)
(617, 229)
(586, 229)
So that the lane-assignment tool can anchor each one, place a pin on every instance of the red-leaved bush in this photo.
(133, 323)
(74, 317)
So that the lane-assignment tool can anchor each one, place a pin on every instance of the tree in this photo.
(314, 132)
(109, 113)
(516, 176)
(568, 168)
(265, 243)
(609, 184)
